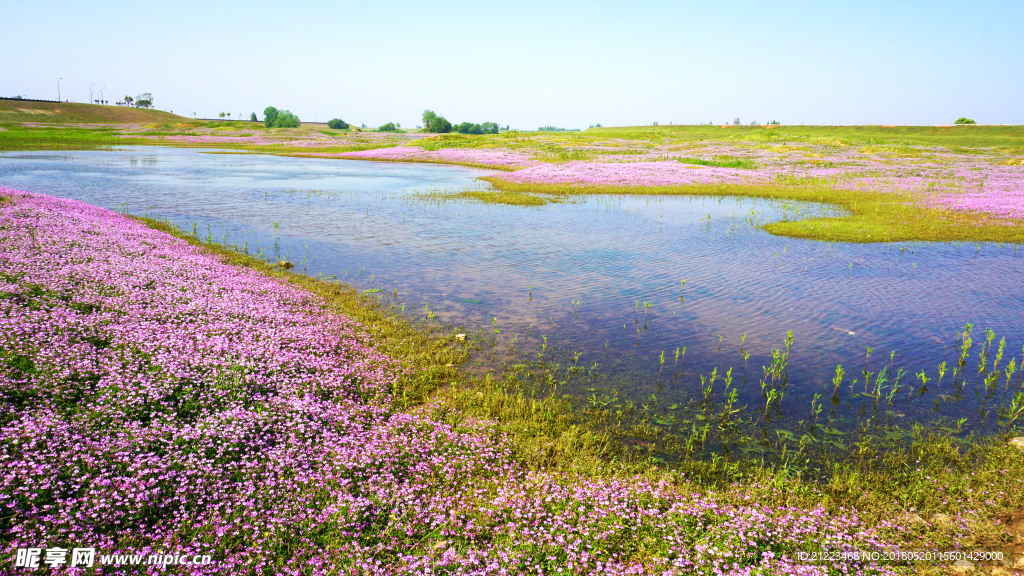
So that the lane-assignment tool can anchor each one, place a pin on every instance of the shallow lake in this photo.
(601, 275)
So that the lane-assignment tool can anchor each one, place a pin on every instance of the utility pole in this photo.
(101, 93)
(58, 88)
(90, 92)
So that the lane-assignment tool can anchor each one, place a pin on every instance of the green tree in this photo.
(964, 121)
(389, 127)
(435, 123)
(252, 117)
(428, 119)
(337, 124)
(286, 119)
(144, 100)
(269, 116)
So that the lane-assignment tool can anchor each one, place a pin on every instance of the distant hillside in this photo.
(26, 111)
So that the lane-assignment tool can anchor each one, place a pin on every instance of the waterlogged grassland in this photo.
(899, 183)
(872, 217)
(948, 183)
(473, 475)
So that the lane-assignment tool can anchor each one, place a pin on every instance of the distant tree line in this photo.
(470, 128)
(274, 118)
(390, 127)
(438, 124)
(556, 129)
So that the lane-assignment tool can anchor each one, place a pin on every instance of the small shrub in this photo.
(964, 121)
(389, 127)
(337, 124)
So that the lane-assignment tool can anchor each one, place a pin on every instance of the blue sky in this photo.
(530, 63)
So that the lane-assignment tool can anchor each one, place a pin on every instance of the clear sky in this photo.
(529, 63)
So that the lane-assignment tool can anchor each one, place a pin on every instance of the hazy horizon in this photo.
(533, 64)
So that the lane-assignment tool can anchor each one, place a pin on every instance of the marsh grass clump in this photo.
(509, 198)
(720, 162)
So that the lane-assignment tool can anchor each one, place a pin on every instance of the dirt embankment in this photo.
(24, 111)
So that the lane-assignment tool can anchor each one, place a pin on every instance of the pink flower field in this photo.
(488, 157)
(155, 398)
(966, 183)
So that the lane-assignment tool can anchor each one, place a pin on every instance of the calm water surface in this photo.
(606, 272)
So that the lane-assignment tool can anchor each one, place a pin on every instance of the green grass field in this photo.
(965, 136)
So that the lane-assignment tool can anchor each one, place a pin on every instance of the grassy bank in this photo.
(185, 134)
(431, 349)
(873, 217)
(68, 113)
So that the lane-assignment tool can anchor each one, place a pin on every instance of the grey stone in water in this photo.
(1018, 442)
